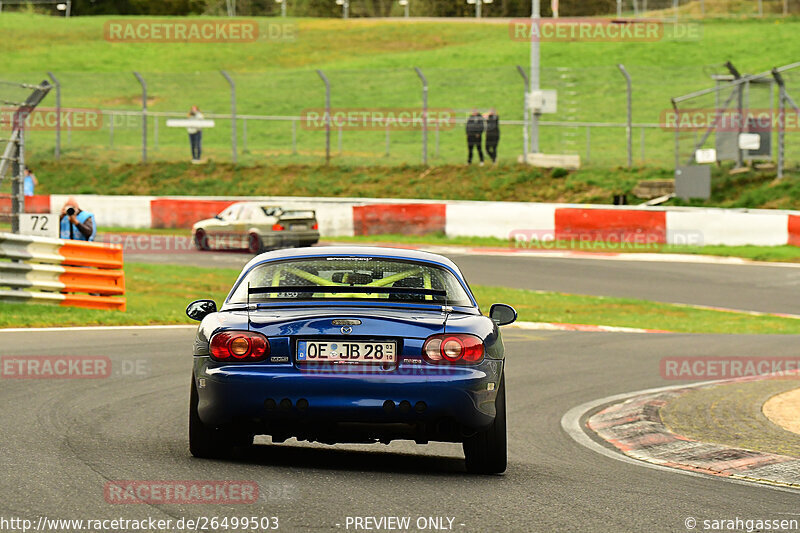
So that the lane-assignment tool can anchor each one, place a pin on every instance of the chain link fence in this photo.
(271, 111)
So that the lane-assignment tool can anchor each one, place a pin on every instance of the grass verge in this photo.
(158, 294)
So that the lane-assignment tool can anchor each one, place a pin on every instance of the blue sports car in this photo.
(350, 344)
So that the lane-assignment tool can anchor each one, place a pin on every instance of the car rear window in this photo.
(392, 280)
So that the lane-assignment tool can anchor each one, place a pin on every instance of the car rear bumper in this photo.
(461, 397)
(290, 238)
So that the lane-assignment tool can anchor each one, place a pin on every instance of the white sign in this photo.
(189, 123)
(707, 155)
(749, 141)
(543, 101)
(39, 225)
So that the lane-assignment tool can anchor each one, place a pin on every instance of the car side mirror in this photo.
(198, 309)
(218, 217)
(503, 314)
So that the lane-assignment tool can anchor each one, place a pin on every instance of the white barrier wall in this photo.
(498, 219)
(684, 225)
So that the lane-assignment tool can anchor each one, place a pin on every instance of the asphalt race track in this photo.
(65, 439)
(758, 287)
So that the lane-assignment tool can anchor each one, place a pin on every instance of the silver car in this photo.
(256, 227)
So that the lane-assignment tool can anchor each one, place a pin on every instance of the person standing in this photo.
(76, 224)
(475, 127)
(492, 134)
(196, 135)
(29, 182)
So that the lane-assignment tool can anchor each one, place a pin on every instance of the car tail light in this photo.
(315, 226)
(456, 348)
(245, 346)
(277, 227)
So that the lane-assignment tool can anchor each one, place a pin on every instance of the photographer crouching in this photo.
(76, 224)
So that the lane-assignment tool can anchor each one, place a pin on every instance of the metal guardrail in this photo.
(64, 272)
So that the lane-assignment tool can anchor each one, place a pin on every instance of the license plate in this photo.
(346, 352)
(296, 227)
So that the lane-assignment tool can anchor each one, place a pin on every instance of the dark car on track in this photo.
(350, 345)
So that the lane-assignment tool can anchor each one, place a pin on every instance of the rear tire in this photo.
(207, 442)
(254, 243)
(486, 451)
(201, 240)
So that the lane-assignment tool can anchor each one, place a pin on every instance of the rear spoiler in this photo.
(298, 214)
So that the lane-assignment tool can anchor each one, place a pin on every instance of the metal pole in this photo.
(424, 115)
(781, 118)
(244, 135)
(18, 179)
(477, 9)
(588, 143)
(785, 7)
(619, 8)
(677, 135)
(525, 114)
(58, 114)
(144, 115)
(283, 7)
(69, 8)
(534, 77)
(629, 126)
(760, 8)
(407, 6)
(642, 145)
(703, 7)
(327, 116)
(675, 5)
(436, 154)
(233, 115)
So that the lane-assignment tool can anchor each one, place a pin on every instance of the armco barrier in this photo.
(33, 204)
(53, 270)
(794, 230)
(404, 219)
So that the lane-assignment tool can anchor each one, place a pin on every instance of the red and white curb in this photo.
(632, 425)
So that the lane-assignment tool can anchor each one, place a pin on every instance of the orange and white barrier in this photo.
(54, 270)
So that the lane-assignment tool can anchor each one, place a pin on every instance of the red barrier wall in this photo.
(33, 204)
(612, 225)
(794, 230)
(167, 213)
(405, 219)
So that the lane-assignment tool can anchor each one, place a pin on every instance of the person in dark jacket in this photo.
(475, 127)
(492, 134)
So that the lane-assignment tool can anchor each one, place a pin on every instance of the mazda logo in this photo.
(346, 330)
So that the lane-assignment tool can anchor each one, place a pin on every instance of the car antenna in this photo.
(446, 309)
(248, 306)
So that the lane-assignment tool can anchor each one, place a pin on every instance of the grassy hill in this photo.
(369, 63)
(501, 183)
